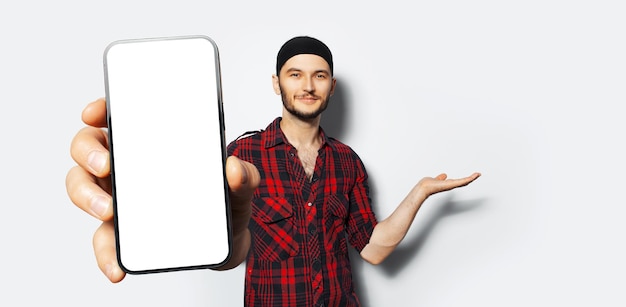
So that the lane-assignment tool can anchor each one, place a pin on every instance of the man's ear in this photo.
(276, 84)
(332, 88)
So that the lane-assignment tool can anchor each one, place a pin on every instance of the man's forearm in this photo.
(389, 233)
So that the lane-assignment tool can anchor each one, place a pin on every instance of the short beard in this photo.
(301, 115)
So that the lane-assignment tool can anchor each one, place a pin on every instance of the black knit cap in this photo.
(303, 45)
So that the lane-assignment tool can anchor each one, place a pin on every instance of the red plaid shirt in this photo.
(300, 228)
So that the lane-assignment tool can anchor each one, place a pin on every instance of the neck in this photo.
(299, 132)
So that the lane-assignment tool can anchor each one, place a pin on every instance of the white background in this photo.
(530, 93)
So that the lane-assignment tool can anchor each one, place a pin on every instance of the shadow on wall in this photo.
(409, 250)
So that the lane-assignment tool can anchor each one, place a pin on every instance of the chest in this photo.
(308, 159)
(287, 172)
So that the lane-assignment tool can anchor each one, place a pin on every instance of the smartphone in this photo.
(168, 153)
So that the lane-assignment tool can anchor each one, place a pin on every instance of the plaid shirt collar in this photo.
(275, 136)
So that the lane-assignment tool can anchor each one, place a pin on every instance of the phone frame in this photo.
(111, 142)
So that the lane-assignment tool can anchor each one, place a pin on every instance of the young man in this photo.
(298, 196)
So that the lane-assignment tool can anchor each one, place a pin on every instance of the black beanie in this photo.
(303, 45)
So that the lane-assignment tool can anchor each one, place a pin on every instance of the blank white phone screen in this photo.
(167, 149)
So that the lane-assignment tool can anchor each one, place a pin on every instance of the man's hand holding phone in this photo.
(89, 188)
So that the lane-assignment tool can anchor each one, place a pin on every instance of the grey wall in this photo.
(528, 93)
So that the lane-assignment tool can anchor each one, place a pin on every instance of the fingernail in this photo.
(96, 160)
(99, 205)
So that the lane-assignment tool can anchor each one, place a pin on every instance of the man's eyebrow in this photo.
(292, 69)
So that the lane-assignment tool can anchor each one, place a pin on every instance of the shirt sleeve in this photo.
(361, 219)
(231, 148)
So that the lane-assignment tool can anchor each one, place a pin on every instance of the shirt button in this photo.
(309, 204)
(317, 265)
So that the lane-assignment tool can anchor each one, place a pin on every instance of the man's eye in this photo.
(321, 76)
(294, 75)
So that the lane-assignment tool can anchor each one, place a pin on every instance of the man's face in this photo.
(305, 85)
